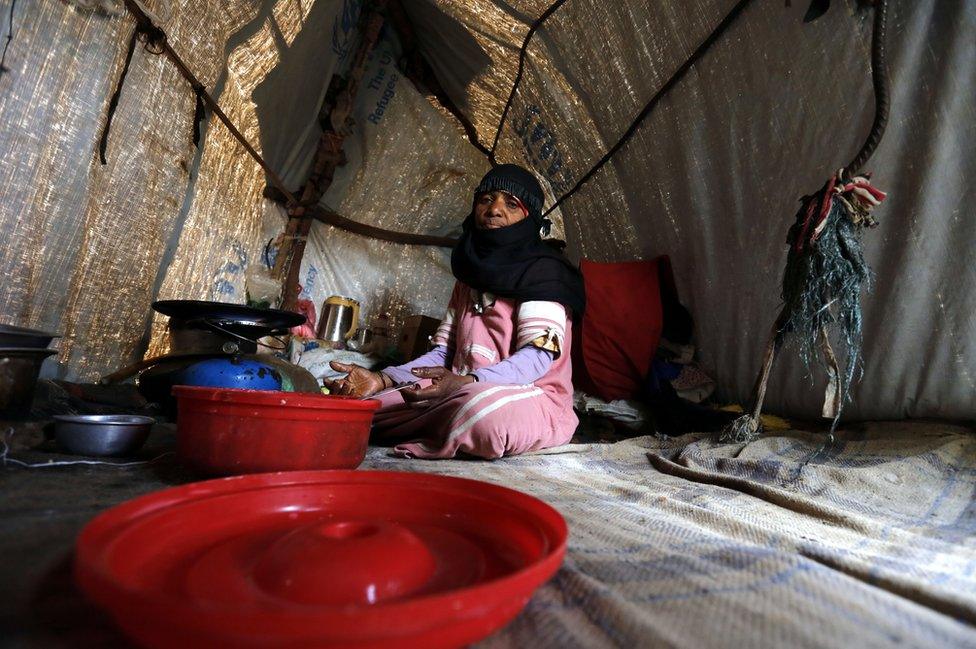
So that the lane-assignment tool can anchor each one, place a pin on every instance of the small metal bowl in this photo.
(102, 434)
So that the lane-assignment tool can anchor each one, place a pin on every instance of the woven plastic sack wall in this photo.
(86, 243)
(163, 220)
(712, 176)
(408, 169)
(225, 213)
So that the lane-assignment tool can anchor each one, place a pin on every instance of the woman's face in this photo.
(497, 209)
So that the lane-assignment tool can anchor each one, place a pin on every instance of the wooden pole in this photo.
(329, 155)
(157, 38)
(329, 217)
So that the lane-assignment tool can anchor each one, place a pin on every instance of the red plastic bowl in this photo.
(320, 559)
(223, 431)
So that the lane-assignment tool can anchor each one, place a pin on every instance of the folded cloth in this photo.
(317, 361)
(631, 414)
(693, 384)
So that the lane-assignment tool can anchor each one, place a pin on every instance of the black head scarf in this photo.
(513, 261)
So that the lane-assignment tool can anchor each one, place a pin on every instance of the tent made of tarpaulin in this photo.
(710, 177)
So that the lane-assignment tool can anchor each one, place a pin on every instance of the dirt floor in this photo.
(43, 510)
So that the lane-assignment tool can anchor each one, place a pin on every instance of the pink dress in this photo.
(484, 419)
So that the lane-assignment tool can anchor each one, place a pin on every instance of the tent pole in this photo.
(329, 155)
(308, 207)
(336, 220)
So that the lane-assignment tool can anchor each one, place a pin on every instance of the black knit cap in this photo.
(518, 182)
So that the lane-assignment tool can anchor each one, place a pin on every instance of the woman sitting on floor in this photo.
(499, 379)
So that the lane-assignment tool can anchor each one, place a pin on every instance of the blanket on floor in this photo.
(685, 542)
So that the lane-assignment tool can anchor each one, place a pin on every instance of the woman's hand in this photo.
(443, 383)
(359, 382)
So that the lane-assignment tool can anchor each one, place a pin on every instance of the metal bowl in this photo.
(101, 434)
(11, 336)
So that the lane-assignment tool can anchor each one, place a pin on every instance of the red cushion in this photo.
(614, 348)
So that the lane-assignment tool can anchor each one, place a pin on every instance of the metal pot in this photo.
(363, 337)
(197, 326)
(19, 368)
(201, 341)
(340, 318)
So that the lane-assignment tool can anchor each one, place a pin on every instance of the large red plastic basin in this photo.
(283, 560)
(222, 431)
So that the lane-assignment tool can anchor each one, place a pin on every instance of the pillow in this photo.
(615, 344)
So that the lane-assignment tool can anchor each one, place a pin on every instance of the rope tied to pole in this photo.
(882, 90)
(825, 267)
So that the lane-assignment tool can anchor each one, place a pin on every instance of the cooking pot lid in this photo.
(321, 558)
(234, 316)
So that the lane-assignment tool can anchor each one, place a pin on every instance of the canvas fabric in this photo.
(712, 177)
